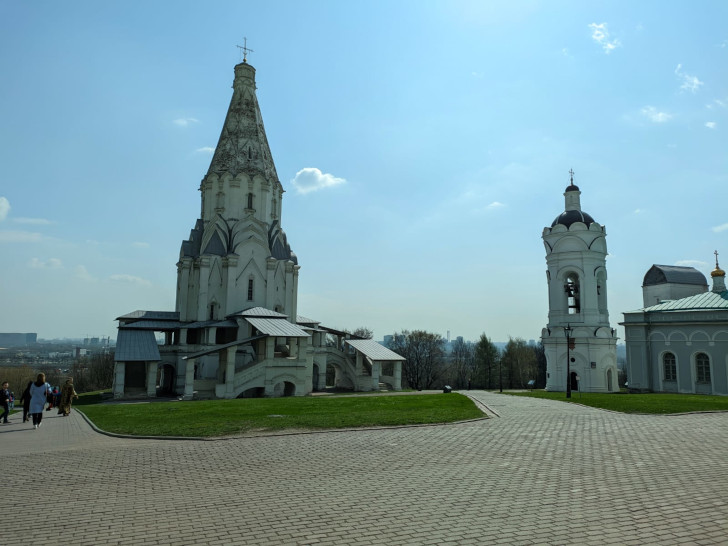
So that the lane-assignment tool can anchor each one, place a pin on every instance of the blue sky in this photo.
(445, 131)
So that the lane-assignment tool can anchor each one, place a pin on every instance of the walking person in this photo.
(67, 396)
(39, 390)
(5, 401)
(25, 400)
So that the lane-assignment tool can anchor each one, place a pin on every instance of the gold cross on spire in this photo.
(716, 259)
(571, 173)
(245, 50)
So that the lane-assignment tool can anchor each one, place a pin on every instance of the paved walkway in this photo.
(542, 473)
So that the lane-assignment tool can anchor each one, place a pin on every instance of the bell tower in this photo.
(580, 345)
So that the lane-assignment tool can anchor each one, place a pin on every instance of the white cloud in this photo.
(689, 83)
(205, 150)
(495, 205)
(722, 227)
(311, 179)
(140, 244)
(184, 122)
(710, 124)
(654, 115)
(4, 208)
(33, 221)
(638, 211)
(52, 263)
(82, 273)
(600, 35)
(131, 279)
(20, 237)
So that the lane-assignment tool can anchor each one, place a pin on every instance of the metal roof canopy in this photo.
(305, 320)
(373, 350)
(661, 274)
(700, 302)
(258, 312)
(136, 346)
(150, 315)
(224, 346)
(334, 331)
(277, 327)
(161, 325)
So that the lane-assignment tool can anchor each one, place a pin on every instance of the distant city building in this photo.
(579, 343)
(679, 345)
(17, 340)
(236, 329)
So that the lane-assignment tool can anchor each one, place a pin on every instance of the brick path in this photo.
(542, 473)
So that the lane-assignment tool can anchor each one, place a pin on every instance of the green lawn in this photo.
(637, 403)
(240, 416)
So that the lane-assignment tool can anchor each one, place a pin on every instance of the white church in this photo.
(580, 345)
(236, 331)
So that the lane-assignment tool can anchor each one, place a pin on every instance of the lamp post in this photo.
(567, 331)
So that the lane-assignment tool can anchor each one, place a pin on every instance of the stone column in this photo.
(359, 364)
(289, 292)
(293, 347)
(322, 375)
(119, 373)
(152, 378)
(270, 347)
(189, 379)
(294, 299)
(376, 368)
(202, 311)
(230, 372)
(183, 286)
(270, 273)
(397, 375)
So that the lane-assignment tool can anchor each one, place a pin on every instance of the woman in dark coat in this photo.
(25, 400)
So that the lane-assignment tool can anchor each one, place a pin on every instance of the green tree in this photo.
(486, 363)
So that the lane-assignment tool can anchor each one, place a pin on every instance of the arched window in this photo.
(571, 288)
(669, 367)
(250, 201)
(250, 289)
(702, 368)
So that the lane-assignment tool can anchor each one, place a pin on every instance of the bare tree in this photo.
(519, 364)
(463, 363)
(424, 354)
(363, 333)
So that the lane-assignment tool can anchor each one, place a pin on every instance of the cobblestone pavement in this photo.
(543, 472)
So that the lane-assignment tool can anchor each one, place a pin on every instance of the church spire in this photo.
(243, 145)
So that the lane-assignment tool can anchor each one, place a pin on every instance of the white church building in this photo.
(678, 342)
(236, 331)
(580, 345)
